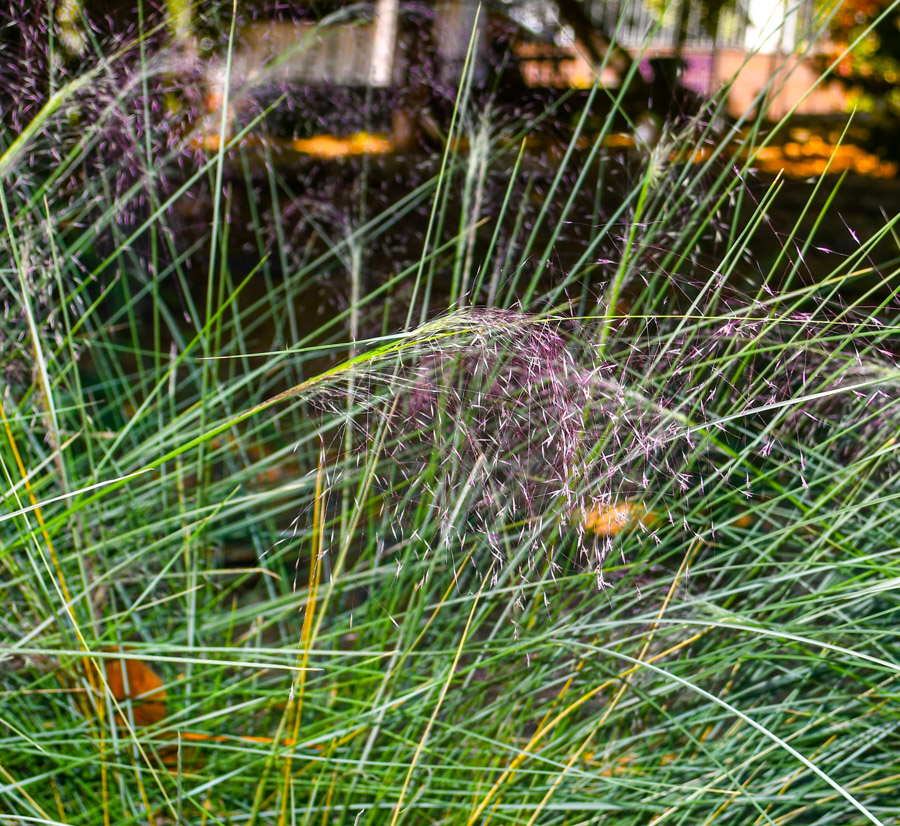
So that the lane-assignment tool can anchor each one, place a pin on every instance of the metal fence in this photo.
(634, 23)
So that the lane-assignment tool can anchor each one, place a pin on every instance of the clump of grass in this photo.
(354, 561)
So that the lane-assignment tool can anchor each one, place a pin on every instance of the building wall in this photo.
(706, 71)
(793, 82)
(342, 55)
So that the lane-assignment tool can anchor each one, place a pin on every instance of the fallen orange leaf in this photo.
(144, 689)
(743, 521)
(609, 520)
(328, 146)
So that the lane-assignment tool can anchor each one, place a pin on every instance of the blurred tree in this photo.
(591, 34)
(871, 71)
(873, 67)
